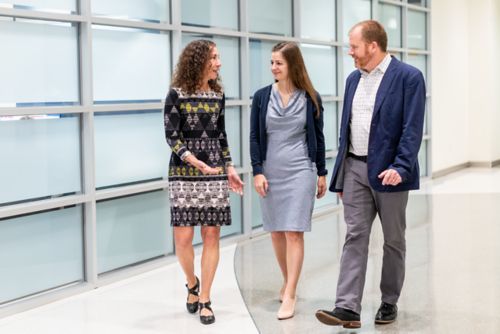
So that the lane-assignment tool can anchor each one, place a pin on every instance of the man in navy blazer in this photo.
(380, 136)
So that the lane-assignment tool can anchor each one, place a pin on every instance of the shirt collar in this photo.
(381, 67)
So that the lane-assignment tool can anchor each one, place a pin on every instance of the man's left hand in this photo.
(390, 177)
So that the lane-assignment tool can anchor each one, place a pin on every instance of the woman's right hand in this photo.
(260, 184)
(201, 166)
(206, 169)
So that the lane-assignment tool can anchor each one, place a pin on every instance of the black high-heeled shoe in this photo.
(193, 307)
(207, 319)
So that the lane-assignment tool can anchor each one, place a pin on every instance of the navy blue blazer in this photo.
(396, 128)
(258, 136)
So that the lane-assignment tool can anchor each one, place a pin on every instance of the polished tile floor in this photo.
(452, 283)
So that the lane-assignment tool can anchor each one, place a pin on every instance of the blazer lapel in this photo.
(385, 84)
(350, 94)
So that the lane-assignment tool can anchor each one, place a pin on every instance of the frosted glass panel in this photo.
(348, 64)
(317, 19)
(321, 64)
(390, 17)
(417, 2)
(270, 17)
(330, 198)
(130, 64)
(133, 229)
(422, 158)
(130, 147)
(420, 62)
(68, 6)
(256, 210)
(330, 125)
(233, 131)
(229, 50)
(210, 13)
(260, 64)
(39, 63)
(236, 216)
(150, 10)
(40, 156)
(40, 252)
(354, 11)
(417, 30)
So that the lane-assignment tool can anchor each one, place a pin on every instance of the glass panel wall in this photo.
(330, 198)
(390, 17)
(321, 65)
(40, 252)
(39, 63)
(317, 19)
(256, 211)
(260, 64)
(210, 13)
(130, 65)
(330, 126)
(417, 30)
(144, 10)
(419, 61)
(130, 148)
(60, 6)
(40, 157)
(133, 229)
(270, 17)
(232, 118)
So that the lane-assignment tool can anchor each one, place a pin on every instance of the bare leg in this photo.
(183, 236)
(294, 260)
(279, 245)
(209, 261)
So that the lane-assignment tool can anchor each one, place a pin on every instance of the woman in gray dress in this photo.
(288, 159)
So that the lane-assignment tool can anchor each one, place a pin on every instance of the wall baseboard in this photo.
(485, 164)
(452, 169)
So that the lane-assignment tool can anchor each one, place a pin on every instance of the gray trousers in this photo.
(361, 204)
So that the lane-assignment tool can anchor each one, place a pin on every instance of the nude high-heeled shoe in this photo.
(287, 308)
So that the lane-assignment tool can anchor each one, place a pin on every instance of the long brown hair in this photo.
(191, 66)
(297, 71)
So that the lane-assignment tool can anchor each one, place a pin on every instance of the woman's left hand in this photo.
(321, 187)
(235, 183)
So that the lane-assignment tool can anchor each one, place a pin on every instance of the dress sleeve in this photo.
(226, 155)
(172, 123)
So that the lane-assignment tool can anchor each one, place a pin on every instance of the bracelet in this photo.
(229, 164)
(185, 155)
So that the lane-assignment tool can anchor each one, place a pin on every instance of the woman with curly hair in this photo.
(201, 171)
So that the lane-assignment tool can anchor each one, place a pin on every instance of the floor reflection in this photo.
(452, 281)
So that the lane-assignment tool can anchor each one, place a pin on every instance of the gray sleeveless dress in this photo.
(289, 202)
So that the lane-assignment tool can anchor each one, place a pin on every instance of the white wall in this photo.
(496, 111)
(465, 82)
(450, 89)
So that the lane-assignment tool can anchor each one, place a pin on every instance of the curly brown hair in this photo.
(192, 62)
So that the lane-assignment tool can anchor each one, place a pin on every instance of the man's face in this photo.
(360, 50)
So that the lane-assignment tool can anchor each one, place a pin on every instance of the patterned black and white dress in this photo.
(195, 123)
